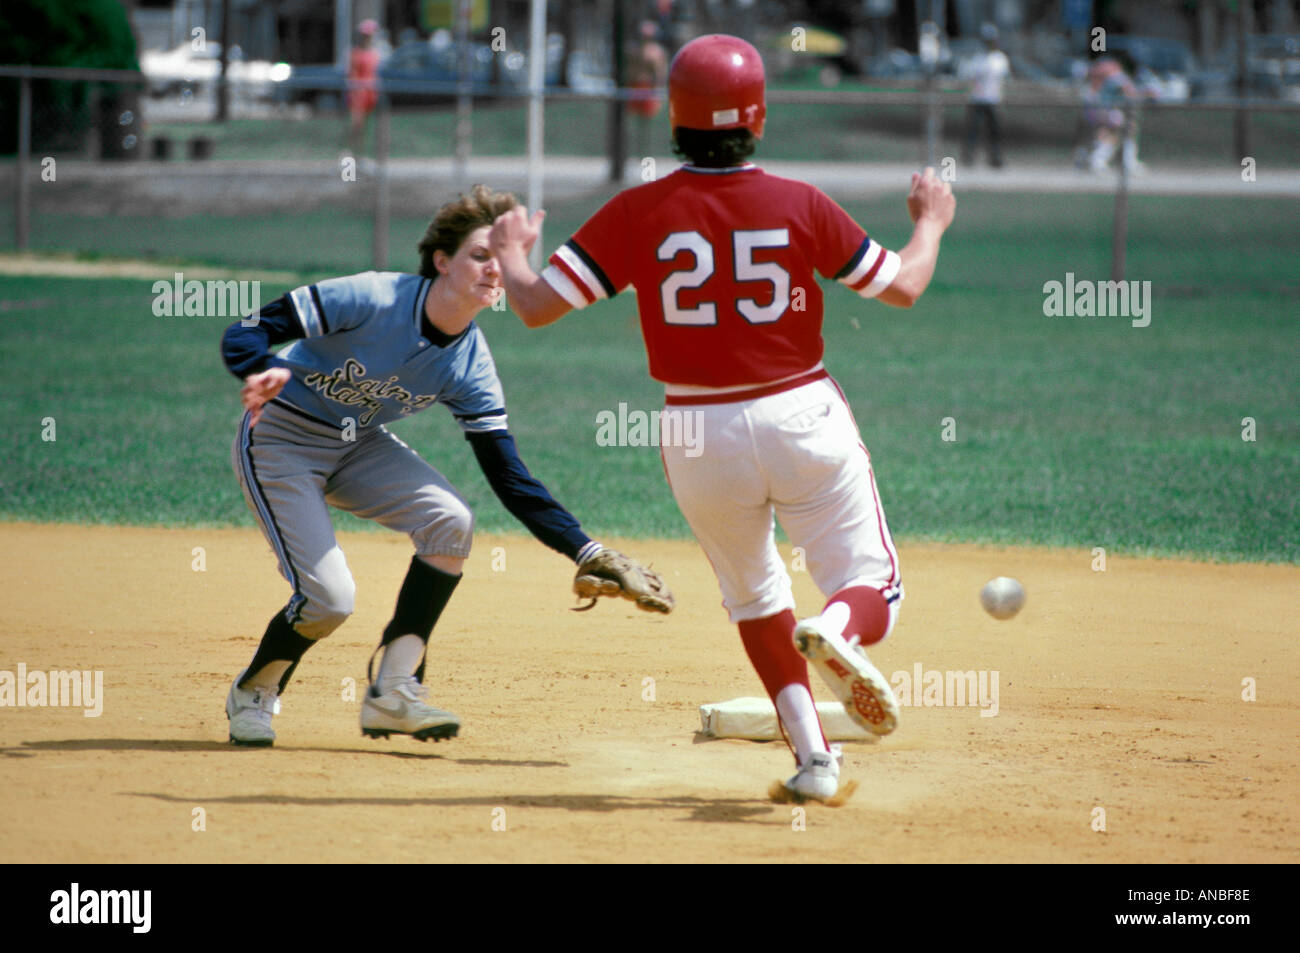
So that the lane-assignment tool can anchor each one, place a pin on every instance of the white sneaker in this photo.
(402, 711)
(817, 780)
(866, 695)
(250, 711)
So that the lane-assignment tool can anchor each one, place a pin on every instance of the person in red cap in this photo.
(724, 260)
(363, 83)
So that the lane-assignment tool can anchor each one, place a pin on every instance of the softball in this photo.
(1002, 597)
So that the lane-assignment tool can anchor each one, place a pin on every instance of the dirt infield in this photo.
(42, 264)
(1119, 703)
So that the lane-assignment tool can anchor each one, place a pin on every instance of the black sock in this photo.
(425, 593)
(280, 643)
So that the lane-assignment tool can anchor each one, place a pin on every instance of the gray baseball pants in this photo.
(292, 468)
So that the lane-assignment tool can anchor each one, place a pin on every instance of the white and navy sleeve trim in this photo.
(591, 549)
(871, 270)
(484, 422)
(306, 302)
(576, 277)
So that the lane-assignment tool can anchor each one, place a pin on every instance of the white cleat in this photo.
(250, 711)
(866, 695)
(817, 780)
(402, 711)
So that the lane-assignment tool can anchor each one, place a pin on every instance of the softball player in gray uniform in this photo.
(367, 350)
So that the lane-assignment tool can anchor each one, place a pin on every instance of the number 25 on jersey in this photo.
(744, 268)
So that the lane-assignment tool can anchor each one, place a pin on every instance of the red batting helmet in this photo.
(716, 82)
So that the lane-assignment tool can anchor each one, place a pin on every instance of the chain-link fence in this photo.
(91, 146)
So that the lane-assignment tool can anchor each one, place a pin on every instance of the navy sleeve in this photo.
(524, 495)
(246, 345)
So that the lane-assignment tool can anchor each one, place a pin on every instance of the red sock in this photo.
(769, 642)
(868, 613)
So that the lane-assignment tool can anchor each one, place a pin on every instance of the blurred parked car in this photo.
(321, 85)
(416, 64)
(1272, 69)
(413, 64)
(1273, 65)
(801, 46)
(894, 64)
(185, 69)
(589, 73)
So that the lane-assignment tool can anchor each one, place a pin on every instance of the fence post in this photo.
(223, 74)
(94, 135)
(617, 141)
(23, 215)
(1119, 231)
(931, 122)
(536, 116)
(1241, 116)
(464, 102)
(928, 49)
(379, 240)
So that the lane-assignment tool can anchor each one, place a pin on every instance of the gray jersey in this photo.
(363, 356)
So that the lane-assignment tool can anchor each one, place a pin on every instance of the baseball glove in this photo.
(610, 573)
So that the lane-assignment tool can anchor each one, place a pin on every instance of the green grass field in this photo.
(1069, 430)
(1033, 134)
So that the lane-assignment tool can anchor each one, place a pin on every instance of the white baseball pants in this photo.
(796, 456)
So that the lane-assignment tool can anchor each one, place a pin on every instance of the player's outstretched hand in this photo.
(931, 199)
(261, 387)
(515, 229)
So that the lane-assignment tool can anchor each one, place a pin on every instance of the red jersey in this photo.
(724, 262)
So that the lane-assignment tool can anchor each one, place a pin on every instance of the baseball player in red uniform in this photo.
(724, 259)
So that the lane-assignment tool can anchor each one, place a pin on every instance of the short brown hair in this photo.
(457, 219)
(714, 148)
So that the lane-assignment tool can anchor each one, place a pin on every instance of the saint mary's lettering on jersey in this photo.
(348, 385)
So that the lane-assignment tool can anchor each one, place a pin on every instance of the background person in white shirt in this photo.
(986, 74)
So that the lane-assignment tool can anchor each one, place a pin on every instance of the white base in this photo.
(755, 720)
